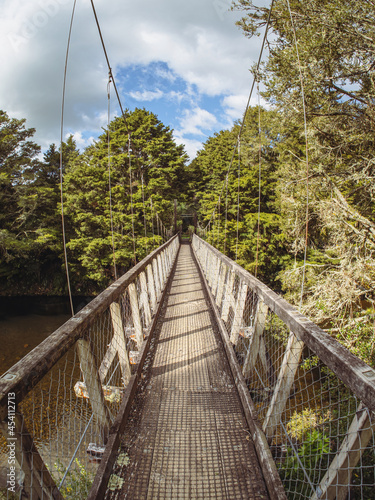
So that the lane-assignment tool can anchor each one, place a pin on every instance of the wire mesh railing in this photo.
(58, 403)
(314, 399)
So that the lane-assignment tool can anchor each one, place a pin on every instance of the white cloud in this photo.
(196, 122)
(192, 146)
(235, 105)
(146, 95)
(81, 141)
(197, 40)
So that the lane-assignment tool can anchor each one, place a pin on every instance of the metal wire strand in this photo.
(61, 160)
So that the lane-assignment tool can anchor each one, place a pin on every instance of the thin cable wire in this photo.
(82, 437)
(218, 223)
(307, 156)
(131, 200)
(259, 181)
(226, 212)
(109, 174)
(125, 121)
(144, 212)
(256, 73)
(152, 221)
(238, 195)
(61, 160)
(109, 67)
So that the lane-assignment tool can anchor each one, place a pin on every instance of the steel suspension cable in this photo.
(144, 212)
(61, 160)
(226, 212)
(306, 153)
(109, 174)
(259, 181)
(131, 199)
(256, 73)
(125, 121)
(238, 195)
(152, 222)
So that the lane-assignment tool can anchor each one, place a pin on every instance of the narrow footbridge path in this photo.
(187, 436)
(188, 378)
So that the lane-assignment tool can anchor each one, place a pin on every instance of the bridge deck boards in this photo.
(187, 437)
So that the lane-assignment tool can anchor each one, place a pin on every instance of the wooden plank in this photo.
(93, 385)
(215, 283)
(255, 338)
(119, 340)
(151, 287)
(165, 266)
(103, 473)
(354, 372)
(155, 268)
(336, 482)
(238, 313)
(220, 287)
(38, 482)
(168, 258)
(284, 384)
(107, 360)
(136, 315)
(161, 271)
(25, 374)
(268, 466)
(228, 297)
(210, 268)
(205, 258)
(145, 301)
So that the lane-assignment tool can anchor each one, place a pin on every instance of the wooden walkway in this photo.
(186, 437)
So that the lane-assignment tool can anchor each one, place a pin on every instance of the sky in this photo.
(184, 60)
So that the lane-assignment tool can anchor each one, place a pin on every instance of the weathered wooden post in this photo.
(220, 286)
(151, 287)
(119, 345)
(216, 276)
(336, 482)
(255, 339)
(155, 268)
(38, 482)
(135, 315)
(238, 313)
(93, 385)
(284, 384)
(228, 296)
(145, 299)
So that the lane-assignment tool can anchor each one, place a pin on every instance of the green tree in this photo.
(30, 221)
(336, 42)
(18, 161)
(229, 188)
(156, 173)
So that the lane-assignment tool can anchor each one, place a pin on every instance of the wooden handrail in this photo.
(353, 372)
(22, 377)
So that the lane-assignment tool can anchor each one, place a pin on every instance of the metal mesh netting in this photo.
(320, 434)
(61, 425)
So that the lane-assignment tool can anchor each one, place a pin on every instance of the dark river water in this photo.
(27, 321)
(20, 334)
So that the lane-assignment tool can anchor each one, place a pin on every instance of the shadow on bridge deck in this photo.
(187, 437)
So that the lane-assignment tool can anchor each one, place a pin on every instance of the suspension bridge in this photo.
(189, 378)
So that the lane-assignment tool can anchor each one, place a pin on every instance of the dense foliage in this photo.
(336, 42)
(155, 171)
(263, 229)
(245, 183)
(31, 244)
